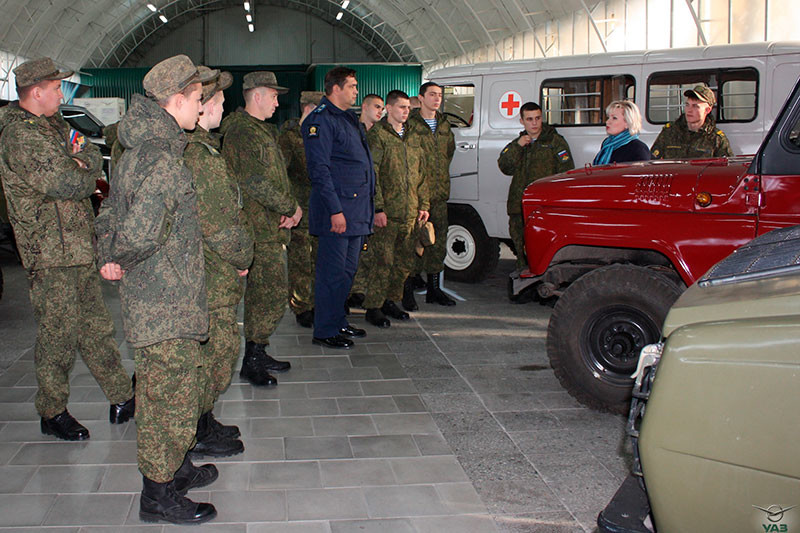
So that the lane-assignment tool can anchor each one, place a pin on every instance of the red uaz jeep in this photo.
(617, 244)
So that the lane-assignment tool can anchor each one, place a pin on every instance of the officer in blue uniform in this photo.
(341, 208)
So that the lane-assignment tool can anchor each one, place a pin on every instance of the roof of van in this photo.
(621, 58)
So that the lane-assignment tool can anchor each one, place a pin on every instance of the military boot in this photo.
(305, 319)
(389, 308)
(253, 368)
(160, 501)
(210, 443)
(229, 432)
(376, 317)
(409, 302)
(190, 476)
(435, 295)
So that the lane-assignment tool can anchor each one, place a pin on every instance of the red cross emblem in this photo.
(510, 103)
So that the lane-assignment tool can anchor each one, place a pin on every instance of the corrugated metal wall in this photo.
(114, 82)
(375, 78)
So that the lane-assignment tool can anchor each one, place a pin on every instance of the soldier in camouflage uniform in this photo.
(539, 151)
(401, 198)
(110, 137)
(302, 250)
(694, 134)
(228, 252)
(250, 146)
(149, 237)
(439, 145)
(48, 176)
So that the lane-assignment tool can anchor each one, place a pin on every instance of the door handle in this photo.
(463, 145)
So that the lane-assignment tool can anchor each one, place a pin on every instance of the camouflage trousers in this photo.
(218, 355)
(302, 254)
(265, 294)
(167, 406)
(388, 261)
(432, 260)
(516, 229)
(71, 316)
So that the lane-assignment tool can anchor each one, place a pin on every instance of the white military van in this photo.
(482, 102)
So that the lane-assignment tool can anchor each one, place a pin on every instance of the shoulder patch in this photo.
(668, 125)
(319, 108)
(563, 155)
(210, 148)
(505, 150)
(719, 132)
(313, 131)
(656, 152)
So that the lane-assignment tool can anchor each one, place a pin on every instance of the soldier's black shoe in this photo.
(337, 341)
(64, 426)
(409, 302)
(376, 317)
(119, 413)
(434, 294)
(274, 365)
(190, 477)
(355, 300)
(305, 319)
(253, 369)
(212, 443)
(352, 332)
(160, 501)
(417, 282)
(228, 432)
(389, 308)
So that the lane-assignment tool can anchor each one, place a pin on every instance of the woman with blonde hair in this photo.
(622, 144)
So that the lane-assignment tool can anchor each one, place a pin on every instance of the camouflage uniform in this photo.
(302, 250)
(676, 141)
(250, 147)
(547, 155)
(149, 226)
(49, 208)
(110, 136)
(227, 247)
(439, 148)
(400, 192)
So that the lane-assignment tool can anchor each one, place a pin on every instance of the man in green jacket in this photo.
(149, 238)
(48, 174)
(401, 199)
(228, 253)
(539, 151)
(694, 134)
(439, 145)
(302, 249)
(250, 146)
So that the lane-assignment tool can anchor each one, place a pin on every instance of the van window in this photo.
(736, 90)
(582, 101)
(794, 133)
(458, 104)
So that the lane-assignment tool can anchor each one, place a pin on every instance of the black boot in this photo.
(435, 294)
(389, 308)
(213, 444)
(64, 426)
(274, 365)
(228, 432)
(417, 282)
(119, 413)
(190, 477)
(305, 319)
(409, 302)
(160, 501)
(253, 369)
(356, 299)
(376, 317)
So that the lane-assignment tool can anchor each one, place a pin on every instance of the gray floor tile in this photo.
(232, 476)
(320, 406)
(249, 409)
(396, 525)
(250, 506)
(404, 501)
(290, 527)
(121, 478)
(384, 446)
(303, 375)
(499, 467)
(432, 445)
(343, 425)
(285, 391)
(472, 422)
(334, 390)
(548, 441)
(582, 486)
(356, 473)
(388, 387)
(354, 374)
(15, 478)
(50, 453)
(285, 475)
(471, 523)
(328, 361)
(8, 450)
(460, 498)
(329, 504)
(108, 452)
(519, 401)
(466, 444)
(210, 527)
(268, 449)
(410, 403)
(453, 403)
(398, 424)
(367, 405)
(66, 479)
(516, 497)
(299, 426)
(444, 469)
(543, 522)
(89, 509)
(427, 385)
(318, 448)
(527, 420)
(24, 509)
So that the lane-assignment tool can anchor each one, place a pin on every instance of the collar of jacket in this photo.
(417, 115)
(147, 121)
(546, 136)
(384, 123)
(201, 135)
(709, 126)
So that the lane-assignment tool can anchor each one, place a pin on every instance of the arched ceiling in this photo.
(111, 33)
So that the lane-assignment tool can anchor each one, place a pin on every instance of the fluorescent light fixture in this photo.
(339, 16)
(163, 18)
(152, 8)
(345, 4)
(247, 6)
(251, 28)
(249, 17)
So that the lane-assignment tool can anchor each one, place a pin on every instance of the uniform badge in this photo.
(505, 149)
(656, 153)
(313, 131)
(563, 155)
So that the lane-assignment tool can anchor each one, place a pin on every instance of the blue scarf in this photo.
(611, 143)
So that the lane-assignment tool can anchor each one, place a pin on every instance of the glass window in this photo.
(582, 101)
(736, 90)
(458, 105)
(794, 134)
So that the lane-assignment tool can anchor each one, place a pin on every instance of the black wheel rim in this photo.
(611, 341)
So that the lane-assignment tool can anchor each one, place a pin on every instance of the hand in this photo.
(298, 214)
(423, 216)
(111, 272)
(380, 220)
(338, 223)
(524, 140)
(242, 273)
(80, 163)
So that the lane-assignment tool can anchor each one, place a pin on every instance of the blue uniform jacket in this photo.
(340, 169)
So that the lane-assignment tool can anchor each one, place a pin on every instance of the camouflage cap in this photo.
(173, 75)
(220, 82)
(262, 78)
(311, 97)
(703, 93)
(36, 70)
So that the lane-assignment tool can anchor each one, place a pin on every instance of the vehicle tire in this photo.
(599, 326)
(471, 254)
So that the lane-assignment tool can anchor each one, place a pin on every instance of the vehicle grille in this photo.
(653, 189)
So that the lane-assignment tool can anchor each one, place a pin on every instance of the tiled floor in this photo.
(452, 421)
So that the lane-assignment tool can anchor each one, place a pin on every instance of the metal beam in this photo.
(594, 25)
(700, 32)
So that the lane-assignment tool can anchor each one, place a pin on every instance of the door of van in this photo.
(458, 106)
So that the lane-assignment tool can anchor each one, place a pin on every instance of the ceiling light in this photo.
(339, 16)
(249, 17)
(163, 18)
(345, 4)
(251, 28)
(152, 8)
(247, 6)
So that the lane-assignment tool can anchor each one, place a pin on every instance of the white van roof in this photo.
(620, 58)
